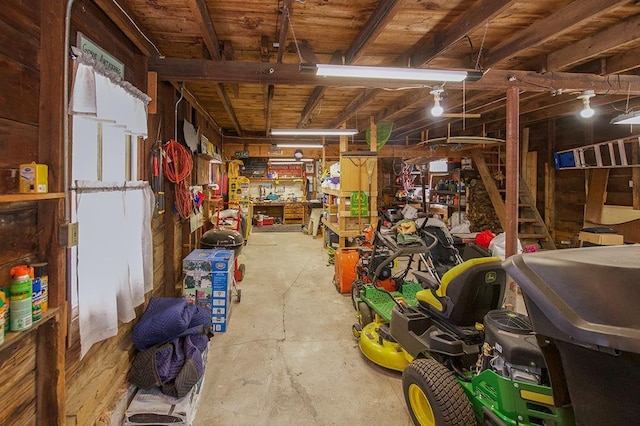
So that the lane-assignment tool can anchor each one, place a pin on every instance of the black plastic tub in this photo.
(223, 239)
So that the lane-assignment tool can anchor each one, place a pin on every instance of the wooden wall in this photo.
(19, 93)
(570, 187)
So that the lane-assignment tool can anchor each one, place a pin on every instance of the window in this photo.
(111, 267)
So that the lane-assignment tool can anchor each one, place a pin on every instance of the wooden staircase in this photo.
(531, 227)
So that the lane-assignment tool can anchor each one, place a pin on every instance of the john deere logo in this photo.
(490, 277)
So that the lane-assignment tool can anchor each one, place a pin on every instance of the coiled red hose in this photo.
(177, 165)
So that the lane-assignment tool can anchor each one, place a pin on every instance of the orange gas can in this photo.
(346, 260)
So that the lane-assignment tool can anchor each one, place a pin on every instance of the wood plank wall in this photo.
(571, 132)
(19, 91)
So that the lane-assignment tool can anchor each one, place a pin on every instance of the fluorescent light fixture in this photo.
(299, 145)
(422, 74)
(314, 132)
(628, 118)
(289, 160)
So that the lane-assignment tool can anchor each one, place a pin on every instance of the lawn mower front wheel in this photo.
(434, 396)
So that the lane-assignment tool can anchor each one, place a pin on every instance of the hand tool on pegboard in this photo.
(157, 177)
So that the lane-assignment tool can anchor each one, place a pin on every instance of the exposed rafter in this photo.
(201, 12)
(626, 32)
(384, 12)
(199, 70)
(431, 45)
(562, 21)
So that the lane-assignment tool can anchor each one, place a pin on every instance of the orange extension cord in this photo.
(177, 165)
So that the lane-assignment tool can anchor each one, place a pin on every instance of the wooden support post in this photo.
(512, 172)
(550, 182)
(635, 176)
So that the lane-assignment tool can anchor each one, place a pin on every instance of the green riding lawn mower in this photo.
(575, 360)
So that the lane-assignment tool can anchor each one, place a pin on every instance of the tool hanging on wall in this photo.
(178, 164)
(157, 175)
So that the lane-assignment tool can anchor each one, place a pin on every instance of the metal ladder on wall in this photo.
(603, 155)
(531, 226)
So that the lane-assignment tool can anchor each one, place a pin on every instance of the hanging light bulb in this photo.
(437, 110)
(587, 111)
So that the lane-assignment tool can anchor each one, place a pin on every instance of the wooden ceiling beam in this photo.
(384, 12)
(537, 33)
(316, 96)
(364, 98)
(614, 37)
(208, 32)
(120, 18)
(202, 70)
(430, 46)
(621, 62)
(284, 29)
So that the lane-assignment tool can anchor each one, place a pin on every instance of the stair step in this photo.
(532, 236)
(527, 220)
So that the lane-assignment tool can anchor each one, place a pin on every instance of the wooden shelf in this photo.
(344, 233)
(288, 179)
(13, 337)
(10, 198)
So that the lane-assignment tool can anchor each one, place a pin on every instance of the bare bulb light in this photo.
(437, 110)
(587, 112)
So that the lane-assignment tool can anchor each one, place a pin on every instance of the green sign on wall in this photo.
(359, 203)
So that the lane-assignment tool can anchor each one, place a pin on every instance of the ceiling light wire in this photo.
(484, 36)
(138, 28)
(295, 40)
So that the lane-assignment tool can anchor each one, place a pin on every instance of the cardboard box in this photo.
(601, 239)
(207, 283)
(33, 178)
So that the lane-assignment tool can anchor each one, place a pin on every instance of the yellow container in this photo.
(33, 178)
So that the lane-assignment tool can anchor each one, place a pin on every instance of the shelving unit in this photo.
(354, 178)
(41, 347)
(447, 201)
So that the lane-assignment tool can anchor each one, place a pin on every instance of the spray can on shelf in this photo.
(41, 273)
(3, 316)
(21, 299)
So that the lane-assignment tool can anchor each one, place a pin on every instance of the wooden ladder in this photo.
(531, 227)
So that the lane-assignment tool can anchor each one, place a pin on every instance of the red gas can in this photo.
(346, 260)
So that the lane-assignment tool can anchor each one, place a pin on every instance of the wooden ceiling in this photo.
(242, 60)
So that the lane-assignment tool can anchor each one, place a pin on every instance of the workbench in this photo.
(289, 212)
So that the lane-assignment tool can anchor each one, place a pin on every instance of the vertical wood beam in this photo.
(50, 379)
(550, 181)
(635, 176)
(512, 171)
(596, 195)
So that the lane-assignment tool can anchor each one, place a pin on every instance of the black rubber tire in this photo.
(365, 315)
(426, 381)
(356, 285)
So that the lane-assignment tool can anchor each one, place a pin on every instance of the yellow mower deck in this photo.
(381, 351)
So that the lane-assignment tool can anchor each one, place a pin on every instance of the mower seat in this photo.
(467, 291)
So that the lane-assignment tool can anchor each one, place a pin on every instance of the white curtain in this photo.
(114, 259)
(114, 262)
(104, 96)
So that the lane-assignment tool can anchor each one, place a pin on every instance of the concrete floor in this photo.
(289, 357)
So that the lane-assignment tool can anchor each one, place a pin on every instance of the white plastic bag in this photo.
(462, 228)
(498, 245)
